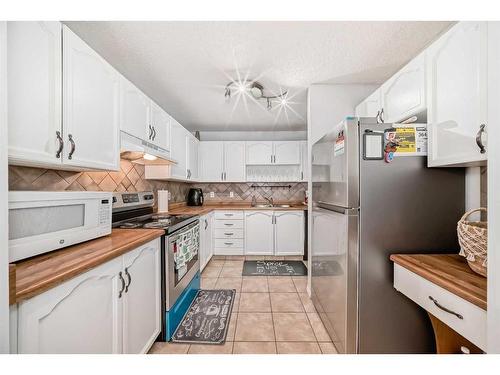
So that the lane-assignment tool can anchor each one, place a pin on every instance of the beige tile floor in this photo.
(271, 315)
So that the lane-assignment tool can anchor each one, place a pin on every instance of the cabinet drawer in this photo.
(229, 233)
(228, 251)
(229, 224)
(472, 326)
(229, 215)
(228, 243)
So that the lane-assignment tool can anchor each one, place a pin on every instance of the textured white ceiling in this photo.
(184, 66)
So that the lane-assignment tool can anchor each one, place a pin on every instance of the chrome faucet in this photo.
(270, 201)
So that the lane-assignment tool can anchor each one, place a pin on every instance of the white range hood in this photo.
(139, 151)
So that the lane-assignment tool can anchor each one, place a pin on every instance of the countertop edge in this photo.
(404, 261)
(86, 265)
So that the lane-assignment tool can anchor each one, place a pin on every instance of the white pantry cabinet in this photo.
(82, 315)
(457, 96)
(34, 61)
(403, 95)
(371, 106)
(91, 97)
(113, 308)
(222, 161)
(206, 239)
(289, 232)
(141, 298)
(259, 233)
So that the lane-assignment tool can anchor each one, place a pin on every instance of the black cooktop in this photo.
(156, 221)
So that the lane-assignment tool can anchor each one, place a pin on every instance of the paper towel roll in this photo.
(162, 200)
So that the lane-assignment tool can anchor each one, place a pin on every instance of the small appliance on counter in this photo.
(43, 221)
(195, 197)
(180, 265)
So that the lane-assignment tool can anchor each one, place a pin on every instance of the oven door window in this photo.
(34, 221)
(185, 248)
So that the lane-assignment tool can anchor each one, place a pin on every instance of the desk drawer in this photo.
(229, 215)
(228, 224)
(472, 326)
(229, 233)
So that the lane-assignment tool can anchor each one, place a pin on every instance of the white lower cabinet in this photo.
(228, 234)
(206, 240)
(113, 308)
(274, 232)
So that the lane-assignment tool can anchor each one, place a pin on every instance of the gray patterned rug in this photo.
(274, 268)
(207, 319)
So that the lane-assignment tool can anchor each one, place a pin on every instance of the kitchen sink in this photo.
(281, 205)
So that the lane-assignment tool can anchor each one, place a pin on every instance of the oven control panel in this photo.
(123, 201)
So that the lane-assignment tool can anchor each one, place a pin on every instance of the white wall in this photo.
(4, 271)
(327, 105)
(494, 188)
(253, 136)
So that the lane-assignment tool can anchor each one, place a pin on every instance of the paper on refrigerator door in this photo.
(411, 140)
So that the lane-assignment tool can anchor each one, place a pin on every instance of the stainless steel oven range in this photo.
(179, 252)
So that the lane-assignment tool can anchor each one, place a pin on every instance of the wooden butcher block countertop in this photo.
(38, 274)
(182, 209)
(449, 271)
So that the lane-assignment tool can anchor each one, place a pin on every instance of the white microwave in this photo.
(40, 222)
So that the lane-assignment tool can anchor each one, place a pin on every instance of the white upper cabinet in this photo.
(82, 315)
(211, 161)
(234, 161)
(141, 298)
(259, 233)
(371, 106)
(178, 150)
(134, 109)
(289, 232)
(90, 107)
(192, 157)
(286, 152)
(403, 95)
(457, 96)
(259, 152)
(34, 63)
(160, 127)
(304, 161)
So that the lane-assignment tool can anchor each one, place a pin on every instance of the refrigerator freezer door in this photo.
(335, 166)
(334, 274)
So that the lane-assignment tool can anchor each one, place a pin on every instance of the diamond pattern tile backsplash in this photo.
(131, 178)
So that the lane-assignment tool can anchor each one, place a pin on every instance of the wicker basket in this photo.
(473, 239)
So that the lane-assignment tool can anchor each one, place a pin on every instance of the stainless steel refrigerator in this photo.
(365, 209)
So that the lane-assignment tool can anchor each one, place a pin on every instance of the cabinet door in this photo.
(205, 240)
(192, 156)
(287, 152)
(289, 232)
(82, 315)
(457, 94)
(304, 161)
(34, 92)
(134, 110)
(211, 161)
(90, 111)
(160, 123)
(259, 233)
(403, 95)
(178, 150)
(259, 152)
(371, 106)
(234, 162)
(141, 298)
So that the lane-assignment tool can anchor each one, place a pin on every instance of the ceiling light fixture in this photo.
(256, 91)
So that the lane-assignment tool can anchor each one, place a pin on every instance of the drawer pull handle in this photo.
(228, 243)
(229, 225)
(228, 234)
(445, 309)
(228, 214)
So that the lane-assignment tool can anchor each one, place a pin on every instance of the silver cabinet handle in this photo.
(225, 178)
(73, 146)
(271, 158)
(380, 116)
(150, 131)
(228, 234)
(154, 133)
(301, 176)
(445, 309)
(479, 139)
(206, 224)
(228, 243)
(123, 285)
(129, 280)
(228, 214)
(228, 225)
(222, 176)
(61, 144)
